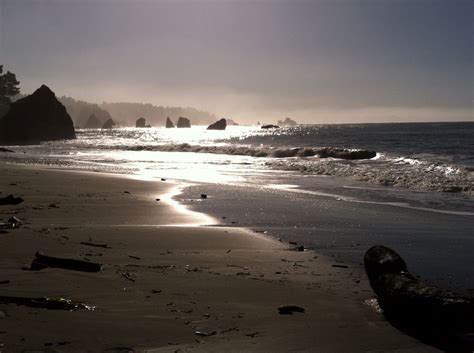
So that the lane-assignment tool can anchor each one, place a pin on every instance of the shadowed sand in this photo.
(161, 283)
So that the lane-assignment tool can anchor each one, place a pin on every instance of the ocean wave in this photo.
(403, 172)
(420, 174)
(408, 172)
(252, 151)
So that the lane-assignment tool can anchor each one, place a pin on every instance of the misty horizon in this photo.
(316, 62)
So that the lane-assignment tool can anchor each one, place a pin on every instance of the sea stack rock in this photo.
(183, 122)
(411, 303)
(109, 124)
(169, 123)
(93, 122)
(141, 122)
(35, 118)
(270, 126)
(287, 122)
(218, 125)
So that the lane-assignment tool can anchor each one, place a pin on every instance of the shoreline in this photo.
(436, 248)
(225, 282)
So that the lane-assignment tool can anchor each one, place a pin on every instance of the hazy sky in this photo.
(315, 61)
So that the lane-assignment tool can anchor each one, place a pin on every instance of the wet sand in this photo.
(436, 243)
(165, 278)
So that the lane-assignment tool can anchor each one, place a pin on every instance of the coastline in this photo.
(436, 244)
(223, 281)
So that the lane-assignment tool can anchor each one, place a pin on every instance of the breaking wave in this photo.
(236, 150)
(422, 157)
(409, 173)
(363, 165)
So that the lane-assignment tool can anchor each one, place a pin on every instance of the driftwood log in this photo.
(414, 305)
(10, 200)
(42, 261)
(46, 303)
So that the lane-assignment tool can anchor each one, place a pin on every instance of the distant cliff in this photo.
(128, 113)
(80, 111)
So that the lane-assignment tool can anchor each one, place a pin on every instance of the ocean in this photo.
(415, 195)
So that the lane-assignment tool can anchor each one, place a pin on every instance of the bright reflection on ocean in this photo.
(138, 150)
(197, 135)
(196, 167)
(419, 157)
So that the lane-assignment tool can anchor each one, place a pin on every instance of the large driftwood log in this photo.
(409, 301)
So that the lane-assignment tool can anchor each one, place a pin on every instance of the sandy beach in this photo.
(236, 176)
(170, 282)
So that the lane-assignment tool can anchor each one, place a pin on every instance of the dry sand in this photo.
(164, 278)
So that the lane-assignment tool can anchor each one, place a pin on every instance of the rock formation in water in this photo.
(169, 123)
(35, 118)
(183, 122)
(218, 125)
(109, 124)
(287, 122)
(414, 306)
(93, 122)
(270, 126)
(141, 122)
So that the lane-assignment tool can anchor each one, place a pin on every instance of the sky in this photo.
(319, 61)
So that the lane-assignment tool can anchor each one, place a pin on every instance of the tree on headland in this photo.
(8, 86)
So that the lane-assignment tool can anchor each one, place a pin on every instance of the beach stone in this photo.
(141, 122)
(290, 309)
(93, 122)
(169, 123)
(183, 122)
(119, 350)
(270, 126)
(35, 118)
(218, 125)
(109, 124)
